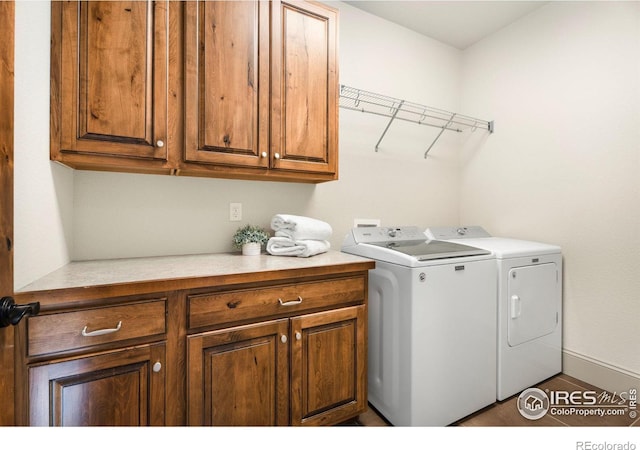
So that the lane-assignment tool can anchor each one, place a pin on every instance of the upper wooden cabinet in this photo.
(304, 88)
(227, 82)
(244, 89)
(261, 88)
(109, 83)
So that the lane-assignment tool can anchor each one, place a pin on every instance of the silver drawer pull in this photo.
(292, 302)
(101, 332)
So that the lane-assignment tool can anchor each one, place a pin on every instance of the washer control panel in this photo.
(376, 235)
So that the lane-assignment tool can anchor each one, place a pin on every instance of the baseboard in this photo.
(598, 373)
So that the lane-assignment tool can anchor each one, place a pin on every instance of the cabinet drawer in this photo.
(60, 332)
(233, 306)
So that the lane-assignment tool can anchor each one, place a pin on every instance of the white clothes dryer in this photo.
(529, 347)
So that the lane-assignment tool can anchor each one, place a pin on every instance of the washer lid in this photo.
(428, 250)
(404, 245)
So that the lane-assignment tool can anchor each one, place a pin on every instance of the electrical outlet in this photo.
(366, 223)
(235, 212)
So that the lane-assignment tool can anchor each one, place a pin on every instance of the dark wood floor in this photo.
(505, 413)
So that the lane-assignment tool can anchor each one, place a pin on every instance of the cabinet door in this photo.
(109, 78)
(304, 88)
(227, 82)
(239, 376)
(113, 389)
(328, 366)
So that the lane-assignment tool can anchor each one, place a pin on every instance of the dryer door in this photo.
(533, 297)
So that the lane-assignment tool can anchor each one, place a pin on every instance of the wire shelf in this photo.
(397, 109)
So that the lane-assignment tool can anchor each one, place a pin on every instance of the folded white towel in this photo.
(300, 227)
(282, 246)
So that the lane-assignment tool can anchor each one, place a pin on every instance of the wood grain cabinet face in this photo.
(212, 309)
(305, 88)
(227, 82)
(328, 373)
(308, 370)
(231, 89)
(261, 86)
(77, 330)
(239, 376)
(109, 80)
(120, 388)
(289, 350)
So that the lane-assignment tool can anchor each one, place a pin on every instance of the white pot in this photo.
(251, 249)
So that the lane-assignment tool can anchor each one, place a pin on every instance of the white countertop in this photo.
(82, 274)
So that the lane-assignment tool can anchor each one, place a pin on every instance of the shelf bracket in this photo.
(439, 134)
(393, 116)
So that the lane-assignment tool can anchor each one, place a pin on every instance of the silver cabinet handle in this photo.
(298, 335)
(101, 332)
(276, 156)
(291, 303)
(283, 338)
(160, 143)
(263, 154)
(157, 367)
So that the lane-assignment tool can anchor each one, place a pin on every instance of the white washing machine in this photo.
(432, 326)
(529, 306)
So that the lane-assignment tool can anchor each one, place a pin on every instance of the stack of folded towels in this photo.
(298, 236)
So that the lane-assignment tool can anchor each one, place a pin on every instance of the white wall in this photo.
(563, 86)
(129, 215)
(124, 215)
(43, 192)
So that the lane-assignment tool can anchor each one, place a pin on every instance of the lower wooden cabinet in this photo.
(239, 376)
(119, 388)
(328, 366)
(306, 370)
(286, 347)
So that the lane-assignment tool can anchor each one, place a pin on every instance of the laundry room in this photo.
(551, 154)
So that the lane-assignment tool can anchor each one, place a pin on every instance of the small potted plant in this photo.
(250, 239)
